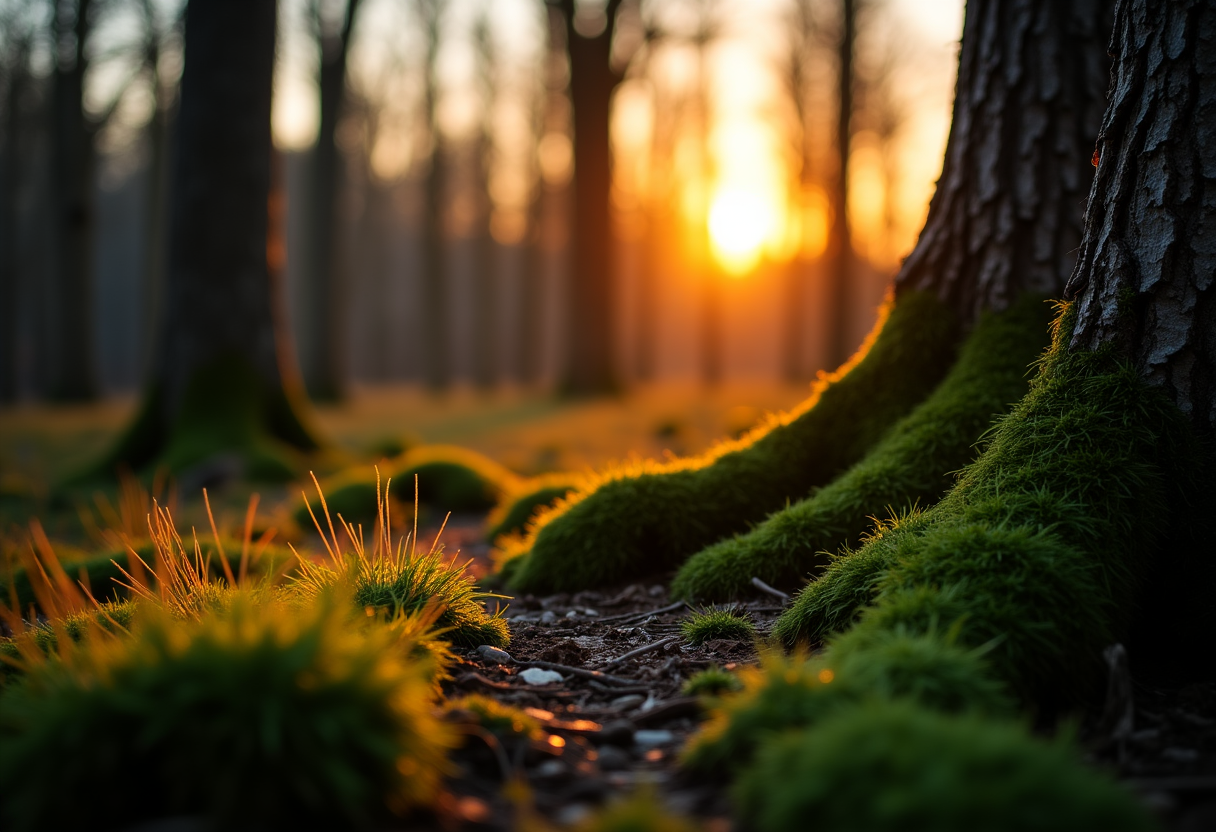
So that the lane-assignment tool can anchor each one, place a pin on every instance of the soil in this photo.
(607, 736)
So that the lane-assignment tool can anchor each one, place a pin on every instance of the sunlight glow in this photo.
(740, 222)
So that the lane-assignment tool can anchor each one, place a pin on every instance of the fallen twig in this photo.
(646, 648)
(642, 615)
(763, 587)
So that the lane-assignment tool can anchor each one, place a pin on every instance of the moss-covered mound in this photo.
(113, 617)
(1045, 540)
(913, 464)
(449, 479)
(650, 517)
(513, 514)
(264, 718)
(894, 766)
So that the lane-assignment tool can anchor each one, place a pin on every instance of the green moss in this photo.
(788, 694)
(1046, 539)
(892, 766)
(711, 682)
(496, 717)
(913, 464)
(227, 409)
(701, 627)
(260, 719)
(513, 513)
(650, 517)
(111, 617)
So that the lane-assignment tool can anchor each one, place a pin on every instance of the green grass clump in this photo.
(513, 514)
(893, 766)
(913, 464)
(701, 627)
(265, 718)
(711, 682)
(1046, 539)
(114, 617)
(649, 517)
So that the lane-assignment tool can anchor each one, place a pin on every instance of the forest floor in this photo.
(617, 718)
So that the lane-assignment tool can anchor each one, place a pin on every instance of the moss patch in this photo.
(649, 517)
(513, 514)
(1046, 539)
(913, 464)
(893, 766)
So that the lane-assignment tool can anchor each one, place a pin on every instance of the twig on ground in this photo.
(763, 587)
(641, 615)
(646, 648)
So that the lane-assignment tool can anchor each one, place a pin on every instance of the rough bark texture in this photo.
(70, 341)
(324, 354)
(592, 318)
(1143, 282)
(1006, 218)
(15, 78)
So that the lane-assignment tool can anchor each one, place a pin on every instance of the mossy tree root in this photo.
(1042, 547)
(651, 517)
(913, 464)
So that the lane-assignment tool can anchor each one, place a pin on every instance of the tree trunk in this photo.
(1143, 282)
(840, 241)
(70, 341)
(217, 388)
(322, 341)
(434, 329)
(10, 182)
(591, 368)
(1004, 219)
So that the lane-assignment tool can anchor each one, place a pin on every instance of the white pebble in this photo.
(652, 738)
(539, 676)
(493, 654)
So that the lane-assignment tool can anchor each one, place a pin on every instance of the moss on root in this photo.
(514, 513)
(894, 766)
(913, 464)
(650, 517)
(1044, 542)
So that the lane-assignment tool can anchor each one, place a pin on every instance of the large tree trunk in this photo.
(70, 341)
(1003, 220)
(591, 367)
(10, 189)
(840, 240)
(434, 289)
(1143, 282)
(217, 388)
(322, 341)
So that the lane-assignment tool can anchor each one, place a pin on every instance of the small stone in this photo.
(572, 614)
(655, 591)
(617, 732)
(630, 700)
(539, 676)
(493, 654)
(571, 814)
(587, 611)
(612, 758)
(548, 617)
(550, 769)
(651, 738)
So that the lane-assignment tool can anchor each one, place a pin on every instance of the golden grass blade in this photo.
(219, 547)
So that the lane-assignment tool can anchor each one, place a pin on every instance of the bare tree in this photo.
(485, 283)
(16, 41)
(434, 329)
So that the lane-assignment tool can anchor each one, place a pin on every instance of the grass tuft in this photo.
(711, 682)
(707, 625)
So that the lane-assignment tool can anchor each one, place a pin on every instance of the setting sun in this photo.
(740, 221)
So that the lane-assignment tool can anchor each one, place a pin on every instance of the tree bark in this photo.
(70, 341)
(217, 385)
(1143, 282)
(323, 341)
(591, 366)
(840, 240)
(10, 182)
(1006, 216)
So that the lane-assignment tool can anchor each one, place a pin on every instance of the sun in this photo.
(740, 221)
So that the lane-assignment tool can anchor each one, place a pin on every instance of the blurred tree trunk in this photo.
(1144, 278)
(1004, 220)
(434, 329)
(217, 389)
(70, 335)
(15, 68)
(323, 343)
(485, 302)
(592, 320)
(840, 241)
